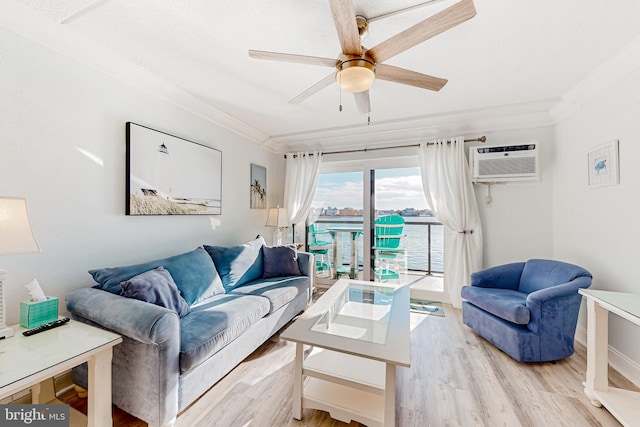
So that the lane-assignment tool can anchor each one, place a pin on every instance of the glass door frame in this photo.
(368, 168)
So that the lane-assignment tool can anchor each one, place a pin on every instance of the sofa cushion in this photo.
(280, 261)
(156, 287)
(216, 322)
(278, 290)
(544, 273)
(194, 274)
(504, 303)
(238, 264)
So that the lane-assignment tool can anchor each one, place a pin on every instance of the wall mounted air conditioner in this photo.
(504, 163)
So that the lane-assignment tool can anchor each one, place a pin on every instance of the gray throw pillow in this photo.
(194, 274)
(280, 261)
(238, 265)
(156, 287)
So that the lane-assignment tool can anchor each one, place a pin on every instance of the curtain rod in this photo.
(481, 139)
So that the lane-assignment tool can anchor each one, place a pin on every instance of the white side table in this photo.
(623, 404)
(29, 361)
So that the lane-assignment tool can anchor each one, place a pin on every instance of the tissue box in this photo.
(36, 313)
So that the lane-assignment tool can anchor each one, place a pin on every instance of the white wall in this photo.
(517, 223)
(62, 146)
(598, 228)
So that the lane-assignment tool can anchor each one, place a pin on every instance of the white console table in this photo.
(30, 361)
(622, 404)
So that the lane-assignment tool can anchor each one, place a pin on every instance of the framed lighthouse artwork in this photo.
(169, 175)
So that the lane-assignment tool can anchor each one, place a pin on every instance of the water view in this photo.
(415, 241)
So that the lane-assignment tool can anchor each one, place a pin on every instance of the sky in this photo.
(396, 189)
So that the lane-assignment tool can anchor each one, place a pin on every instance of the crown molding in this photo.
(21, 20)
(620, 65)
(491, 119)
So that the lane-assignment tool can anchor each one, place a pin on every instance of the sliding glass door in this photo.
(349, 198)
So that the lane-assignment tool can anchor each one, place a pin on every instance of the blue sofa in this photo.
(528, 310)
(179, 343)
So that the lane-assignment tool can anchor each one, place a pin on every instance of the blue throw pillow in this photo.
(238, 265)
(156, 287)
(280, 261)
(193, 272)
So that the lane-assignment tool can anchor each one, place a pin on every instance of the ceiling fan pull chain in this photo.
(340, 90)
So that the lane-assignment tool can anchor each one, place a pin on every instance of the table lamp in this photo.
(277, 217)
(16, 237)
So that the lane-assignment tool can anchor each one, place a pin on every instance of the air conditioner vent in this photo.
(504, 163)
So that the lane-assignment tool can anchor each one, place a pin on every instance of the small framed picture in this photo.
(258, 187)
(602, 164)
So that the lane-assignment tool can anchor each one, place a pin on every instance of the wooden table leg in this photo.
(597, 350)
(390, 396)
(99, 399)
(297, 382)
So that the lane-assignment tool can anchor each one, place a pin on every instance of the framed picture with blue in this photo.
(258, 187)
(602, 164)
(169, 175)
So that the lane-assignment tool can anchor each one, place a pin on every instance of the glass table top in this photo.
(361, 312)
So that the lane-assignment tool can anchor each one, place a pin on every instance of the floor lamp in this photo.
(16, 237)
(277, 217)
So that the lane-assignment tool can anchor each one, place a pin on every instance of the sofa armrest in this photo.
(148, 356)
(505, 276)
(305, 263)
(144, 322)
(556, 306)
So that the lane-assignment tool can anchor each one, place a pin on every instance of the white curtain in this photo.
(301, 178)
(449, 193)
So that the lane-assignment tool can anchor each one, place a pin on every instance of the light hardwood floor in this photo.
(456, 379)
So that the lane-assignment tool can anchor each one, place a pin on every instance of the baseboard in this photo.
(618, 361)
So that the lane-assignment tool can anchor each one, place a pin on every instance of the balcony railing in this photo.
(422, 240)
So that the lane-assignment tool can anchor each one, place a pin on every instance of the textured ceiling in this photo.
(524, 54)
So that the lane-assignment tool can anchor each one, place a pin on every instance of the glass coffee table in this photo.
(357, 333)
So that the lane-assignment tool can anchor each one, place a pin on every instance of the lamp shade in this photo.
(16, 236)
(277, 217)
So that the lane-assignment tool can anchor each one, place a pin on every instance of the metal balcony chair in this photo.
(387, 251)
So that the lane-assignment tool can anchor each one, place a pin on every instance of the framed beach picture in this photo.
(169, 175)
(602, 164)
(258, 187)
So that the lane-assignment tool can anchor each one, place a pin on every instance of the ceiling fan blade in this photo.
(422, 31)
(363, 102)
(331, 78)
(288, 57)
(344, 17)
(408, 77)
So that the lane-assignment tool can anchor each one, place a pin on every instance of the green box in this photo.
(36, 313)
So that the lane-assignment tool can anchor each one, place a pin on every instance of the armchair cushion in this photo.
(543, 273)
(505, 276)
(504, 303)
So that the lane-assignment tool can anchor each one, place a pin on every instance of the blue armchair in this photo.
(528, 310)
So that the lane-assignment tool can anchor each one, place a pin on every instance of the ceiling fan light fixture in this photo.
(356, 75)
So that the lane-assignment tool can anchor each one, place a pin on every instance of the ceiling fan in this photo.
(358, 67)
